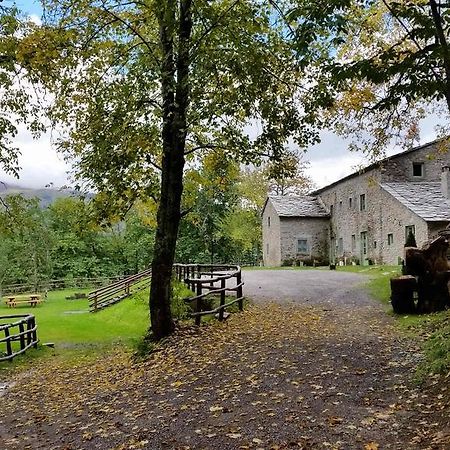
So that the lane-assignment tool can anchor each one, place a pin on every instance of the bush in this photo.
(311, 261)
(288, 262)
(180, 309)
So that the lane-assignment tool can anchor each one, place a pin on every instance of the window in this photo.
(340, 246)
(340, 205)
(410, 229)
(417, 169)
(267, 248)
(302, 246)
(331, 210)
(390, 239)
(268, 221)
(374, 244)
(350, 201)
(353, 242)
(362, 202)
(364, 243)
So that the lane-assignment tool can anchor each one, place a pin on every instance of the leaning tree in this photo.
(140, 89)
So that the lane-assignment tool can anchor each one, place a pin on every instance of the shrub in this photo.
(287, 262)
(180, 309)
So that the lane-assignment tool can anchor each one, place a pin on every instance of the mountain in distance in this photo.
(46, 195)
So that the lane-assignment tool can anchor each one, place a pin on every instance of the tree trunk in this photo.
(440, 37)
(175, 94)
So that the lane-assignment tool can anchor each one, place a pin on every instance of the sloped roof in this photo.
(297, 206)
(423, 198)
(377, 164)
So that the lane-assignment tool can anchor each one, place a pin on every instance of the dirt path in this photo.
(322, 373)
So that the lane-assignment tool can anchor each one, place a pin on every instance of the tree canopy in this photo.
(384, 65)
(150, 95)
(143, 89)
(18, 102)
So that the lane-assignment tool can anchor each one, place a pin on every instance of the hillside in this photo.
(46, 195)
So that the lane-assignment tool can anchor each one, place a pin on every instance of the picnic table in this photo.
(30, 299)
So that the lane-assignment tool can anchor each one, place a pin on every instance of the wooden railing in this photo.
(26, 335)
(62, 283)
(211, 281)
(115, 292)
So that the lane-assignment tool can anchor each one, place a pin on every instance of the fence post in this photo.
(95, 303)
(22, 336)
(222, 298)
(199, 303)
(8, 343)
(34, 332)
(29, 337)
(239, 290)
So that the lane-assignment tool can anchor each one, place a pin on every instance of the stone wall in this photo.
(314, 230)
(271, 236)
(394, 219)
(347, 219)
(400, 168)
(383, 215)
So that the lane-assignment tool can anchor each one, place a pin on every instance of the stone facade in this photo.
(368, 223)
(294, 234)
(312, 230)
(271, 236)
(376, 231)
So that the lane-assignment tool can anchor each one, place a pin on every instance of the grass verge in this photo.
(432, 329)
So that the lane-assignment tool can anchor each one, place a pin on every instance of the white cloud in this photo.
(40, 164)
(35, 19)
(331, 160)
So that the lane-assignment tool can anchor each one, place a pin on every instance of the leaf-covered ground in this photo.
(272, 377)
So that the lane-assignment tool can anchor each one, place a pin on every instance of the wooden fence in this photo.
(115, 292)
(211, 281)
(25, 335)
(63, 283)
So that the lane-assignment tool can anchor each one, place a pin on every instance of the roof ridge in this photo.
(376, 164)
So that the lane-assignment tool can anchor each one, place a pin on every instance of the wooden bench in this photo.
(32, 300)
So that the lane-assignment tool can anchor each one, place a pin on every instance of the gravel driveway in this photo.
(314, 287)
(314, 364)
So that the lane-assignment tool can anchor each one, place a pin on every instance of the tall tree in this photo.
(27, 241)
(142, 86)
(288, 177)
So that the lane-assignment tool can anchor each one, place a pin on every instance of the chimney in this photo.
(445, 181)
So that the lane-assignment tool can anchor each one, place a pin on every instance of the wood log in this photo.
(402, 294)
(433, 294)
(431, 266)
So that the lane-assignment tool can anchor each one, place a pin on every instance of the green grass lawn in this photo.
(69, 325)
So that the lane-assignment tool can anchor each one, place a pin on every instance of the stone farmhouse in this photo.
(365, 217)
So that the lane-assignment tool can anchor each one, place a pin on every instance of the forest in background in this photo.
(73, 237)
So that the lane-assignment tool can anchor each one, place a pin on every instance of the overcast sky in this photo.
(329, 161)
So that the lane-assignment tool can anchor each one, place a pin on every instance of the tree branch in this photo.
(132, 29)
(213, 25)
